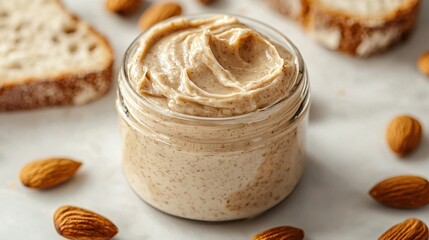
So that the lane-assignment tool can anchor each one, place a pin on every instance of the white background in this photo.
(353, 100)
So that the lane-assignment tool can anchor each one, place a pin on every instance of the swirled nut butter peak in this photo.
(212, 67)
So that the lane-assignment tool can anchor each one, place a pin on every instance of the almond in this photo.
(423, 63)
(280, 233)
(206, 2)
(159, 12)
(47, 173)
(402, 192)
(410, 229)
(123, 7)
(77, 223)
(403, 134)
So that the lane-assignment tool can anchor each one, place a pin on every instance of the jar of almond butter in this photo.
(213, 113)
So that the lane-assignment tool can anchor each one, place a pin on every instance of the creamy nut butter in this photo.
(213, 116)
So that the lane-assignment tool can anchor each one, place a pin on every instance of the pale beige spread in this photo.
(211, 168)
(212, 67)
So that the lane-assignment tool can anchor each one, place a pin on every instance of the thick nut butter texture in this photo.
(213, 67)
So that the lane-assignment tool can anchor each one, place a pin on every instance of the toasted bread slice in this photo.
(357, 27)
(49, 57)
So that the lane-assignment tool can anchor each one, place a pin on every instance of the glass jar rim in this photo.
(298, 79)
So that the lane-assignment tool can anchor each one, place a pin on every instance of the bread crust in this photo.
(66, 88)
(353, 34)
(355, 31)
(63, 90)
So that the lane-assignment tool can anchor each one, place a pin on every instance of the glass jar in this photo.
(214, 169)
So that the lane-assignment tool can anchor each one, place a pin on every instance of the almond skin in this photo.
(423, 63)
(403, 134)
(206, 2)
(410, 229)
(77, 223)
(280, 233)
(46, 173)
(159, 12)
(402, 192)
(123, 7)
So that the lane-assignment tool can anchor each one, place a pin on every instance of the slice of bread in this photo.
(49, 57)
(356, 27)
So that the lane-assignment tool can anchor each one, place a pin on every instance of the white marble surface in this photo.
(353, 99)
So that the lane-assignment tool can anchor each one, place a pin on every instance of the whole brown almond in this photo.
(159, 12)
(46, 173)
(403, 134)
(402, 192)
(78, 223)
(410, 229)
(280, 233)
(423, 63)
(206, 2)
(123, 7)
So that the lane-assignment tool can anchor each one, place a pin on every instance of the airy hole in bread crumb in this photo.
(17, 40)
(15, 66)
(19, 27)
(69, 29)
(54, 39)
(4, 15)
(72, 48)
(92, 47)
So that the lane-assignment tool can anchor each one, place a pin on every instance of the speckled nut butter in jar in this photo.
(213, 112)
